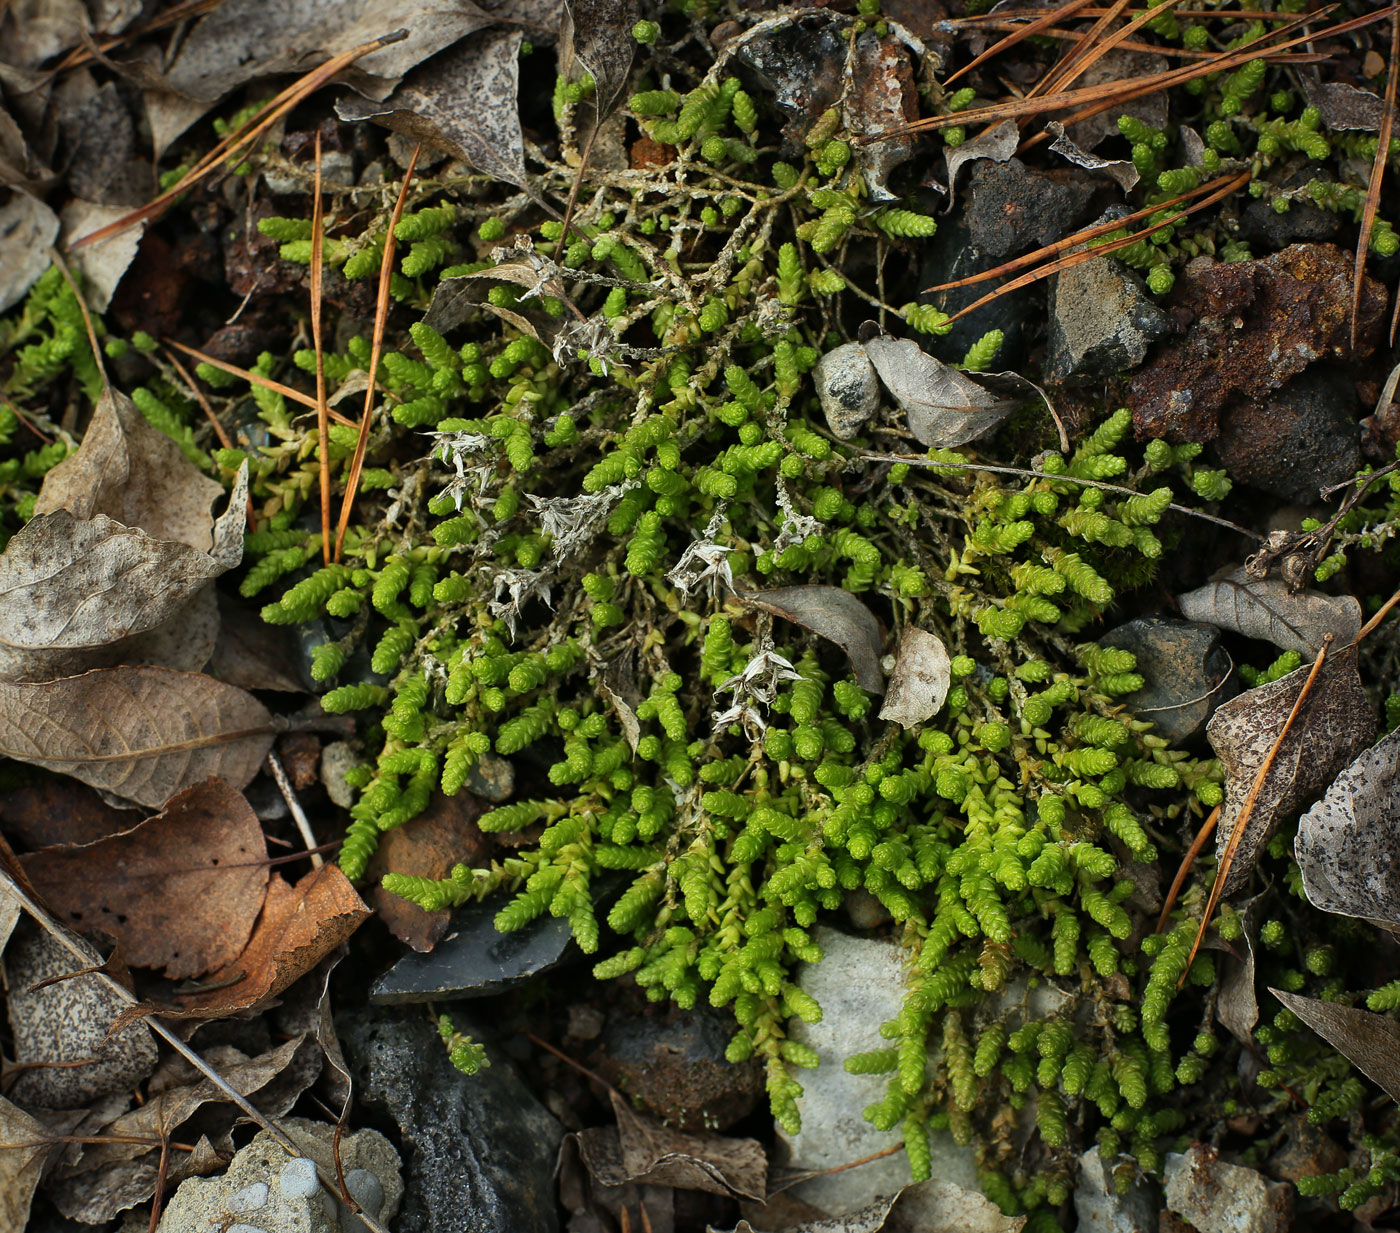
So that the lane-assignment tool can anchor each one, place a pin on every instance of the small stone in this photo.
(298, 1178)
(1298, 440)
(1101, 322)
(859, 984)
(366, 1189)
(1223, 1198)
(1187, 671)
(336, 760)
(1101, 1209)
(492, 778)
(672, 1066)
(848, 389)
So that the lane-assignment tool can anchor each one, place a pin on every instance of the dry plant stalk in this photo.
(323, 437)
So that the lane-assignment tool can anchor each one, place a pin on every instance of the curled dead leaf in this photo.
(834, 614)
(140, 733)
(920, 680)
(1265, 608)
(179, 891)
(1348, 845)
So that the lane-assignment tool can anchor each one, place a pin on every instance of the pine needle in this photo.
(1040, 25)
(1373, 188)
(1199, 842)
(381, 317)
(267, 383)
(323, 426)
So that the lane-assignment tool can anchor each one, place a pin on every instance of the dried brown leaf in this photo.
(25, 1147)
(137, 476)
(1348, 845)
(140, 733)
(102, 264)
(1238, 1006)
(1335, 723)
(598, 34)
(179, 891)
(1264, 608)
(57, 811)
(945, 406)
(251, 654)
(299, 926)
(834, 614)
(27, 228)
(463, 102)
(1371, 1042)
(1346, 108)
(920, 680)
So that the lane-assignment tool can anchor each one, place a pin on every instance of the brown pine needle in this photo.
(267, 383)
(1073, 259)
(198, 395)
(381, 317)
(23, 418)
(1377, 618)
(1071, 241)
(323, 423)
(1227, 857)
(1061, 75)
(1199, 842)
(1040, 24)
(1373, 189)
(242, 139)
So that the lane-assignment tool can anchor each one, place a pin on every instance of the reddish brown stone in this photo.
(1246, 327)
(647, 152)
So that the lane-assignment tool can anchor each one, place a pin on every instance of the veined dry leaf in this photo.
(834, 614)
(27, 228)
(299, 926)
(179, 891)
(137, 476)
(56, 811)
(25, 1147)
(246, 39)
(1264, 608)
(251, 654)
(997, 144)
(920, 680)
(1345, 108)
(946, 407)
(140, 733)
(598, 34)
(463, 102)
(1371, 1042)
(1335, 723)
(1124, 173)
(71, 588)
(102, 264)
(1348, 844)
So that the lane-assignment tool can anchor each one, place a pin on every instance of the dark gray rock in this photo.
(1184, 665)
(1101, 322)
(848, 388)
(672, 1066)
(474, 960)
(481, 1149)
(1296, 440)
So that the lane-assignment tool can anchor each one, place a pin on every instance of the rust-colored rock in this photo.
(648, 152)
(1243, 328)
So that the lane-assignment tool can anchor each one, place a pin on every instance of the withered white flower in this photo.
(514, 589)
(573, 522)
(756, 686)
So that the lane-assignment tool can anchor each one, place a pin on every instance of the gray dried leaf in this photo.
(848, 389)
(834, 614)
(1121, 171)
(1335, 723)
(1371, 1042)
(1264, 608)
(72, 589)
(946, 407)
(997, 144)
(102, 264)
(137, 476)
(242, 40)
(27, 228)
(1345, 108)
(598, 34)
(464, 102)
(142, 734)
(1348, 846)
(1238, 1006)
(25, 1147)
(920, 680)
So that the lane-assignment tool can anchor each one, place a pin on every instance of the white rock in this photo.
(1101, 1209)
(1223, 1198)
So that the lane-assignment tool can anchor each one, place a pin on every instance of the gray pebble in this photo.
(848, 389)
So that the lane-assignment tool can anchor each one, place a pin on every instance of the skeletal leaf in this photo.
(920, 680)
(464, 101)
(140, 733)
(834, 614)
(1371, 1042)
(598, 34)
(137, 476)
(945, 407)
(1264, 608)
(179, 891)
(1348, 844)
(1120, 170)
(1335, 723)
(72, 588)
